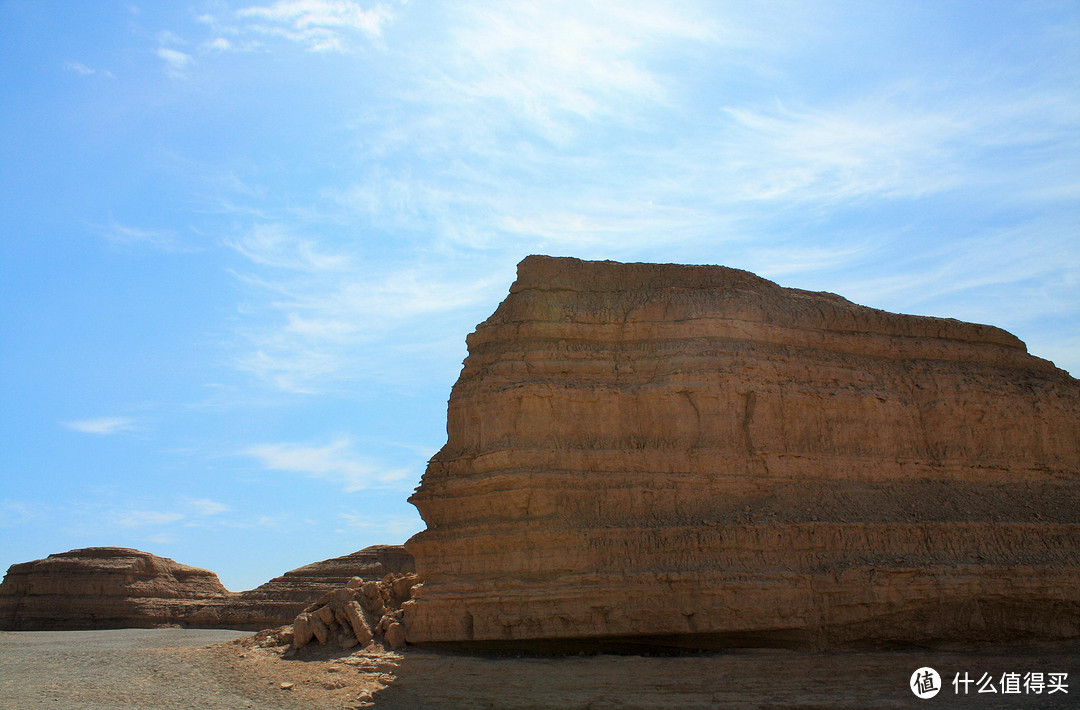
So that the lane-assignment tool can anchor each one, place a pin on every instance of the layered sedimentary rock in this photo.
(697, 456)
(279, 601)
(103, 588)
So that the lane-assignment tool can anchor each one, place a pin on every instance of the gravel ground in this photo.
(173, 669)
(115, 670)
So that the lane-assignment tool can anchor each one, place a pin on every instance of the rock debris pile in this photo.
(357, 614)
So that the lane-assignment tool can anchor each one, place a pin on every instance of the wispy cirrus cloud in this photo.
(123, 235)
(320, 316)
(276, 245)
(523, 127)
(192, 512)
(78, 68)
(318, 25)
(103, 426)
(552, 68)
(334, 462)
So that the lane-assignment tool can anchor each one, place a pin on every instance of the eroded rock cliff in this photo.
(280, 600)
(103, 588)
(694, 455)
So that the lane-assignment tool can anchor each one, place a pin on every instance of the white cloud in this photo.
(102, 425)
(858, 149)
(320, 316)
(334, 462)
(139, 518)
(637, 130)
(205, 506)
(177, 63)
(78, 68)
(83, 70)
(319, 25)
(554, 62)
(170, 37)
(123, 235)
(275, 245)
(394, 528)
(218, 44)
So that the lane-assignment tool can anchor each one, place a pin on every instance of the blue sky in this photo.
(243, 242)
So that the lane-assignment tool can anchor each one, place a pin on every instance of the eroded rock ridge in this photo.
(279, 601)
(693, 455)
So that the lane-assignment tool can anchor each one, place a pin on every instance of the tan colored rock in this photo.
(319, 628)
(402, 587)
(355, 616)
(697, 456)
(395, 635)
(372, 598)
(348, 622)
(279, 601)
(302, 631)
(104, 588)
(325, 614)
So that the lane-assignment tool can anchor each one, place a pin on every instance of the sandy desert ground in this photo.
(170, 669)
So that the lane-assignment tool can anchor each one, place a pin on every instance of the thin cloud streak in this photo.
(102, 426)
(334, 462)
(322, 325)
(318, 25)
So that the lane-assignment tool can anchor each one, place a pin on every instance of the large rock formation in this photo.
(697, 456)
(103, 588)
(280, 600)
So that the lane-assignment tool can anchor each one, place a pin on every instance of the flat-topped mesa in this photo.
(278, 601)
(103, 588)
(695, 454)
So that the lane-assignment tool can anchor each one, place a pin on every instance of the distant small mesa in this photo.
(115, 587)
(103, 588)
(696, 457)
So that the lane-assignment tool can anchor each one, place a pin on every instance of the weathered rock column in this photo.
(695, 453)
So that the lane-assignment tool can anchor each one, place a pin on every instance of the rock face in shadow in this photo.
(696, 456)
(103, 588)
(281, 599)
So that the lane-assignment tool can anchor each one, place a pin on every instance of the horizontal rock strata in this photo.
(696, 456)
(103, 588)
(280, 600)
